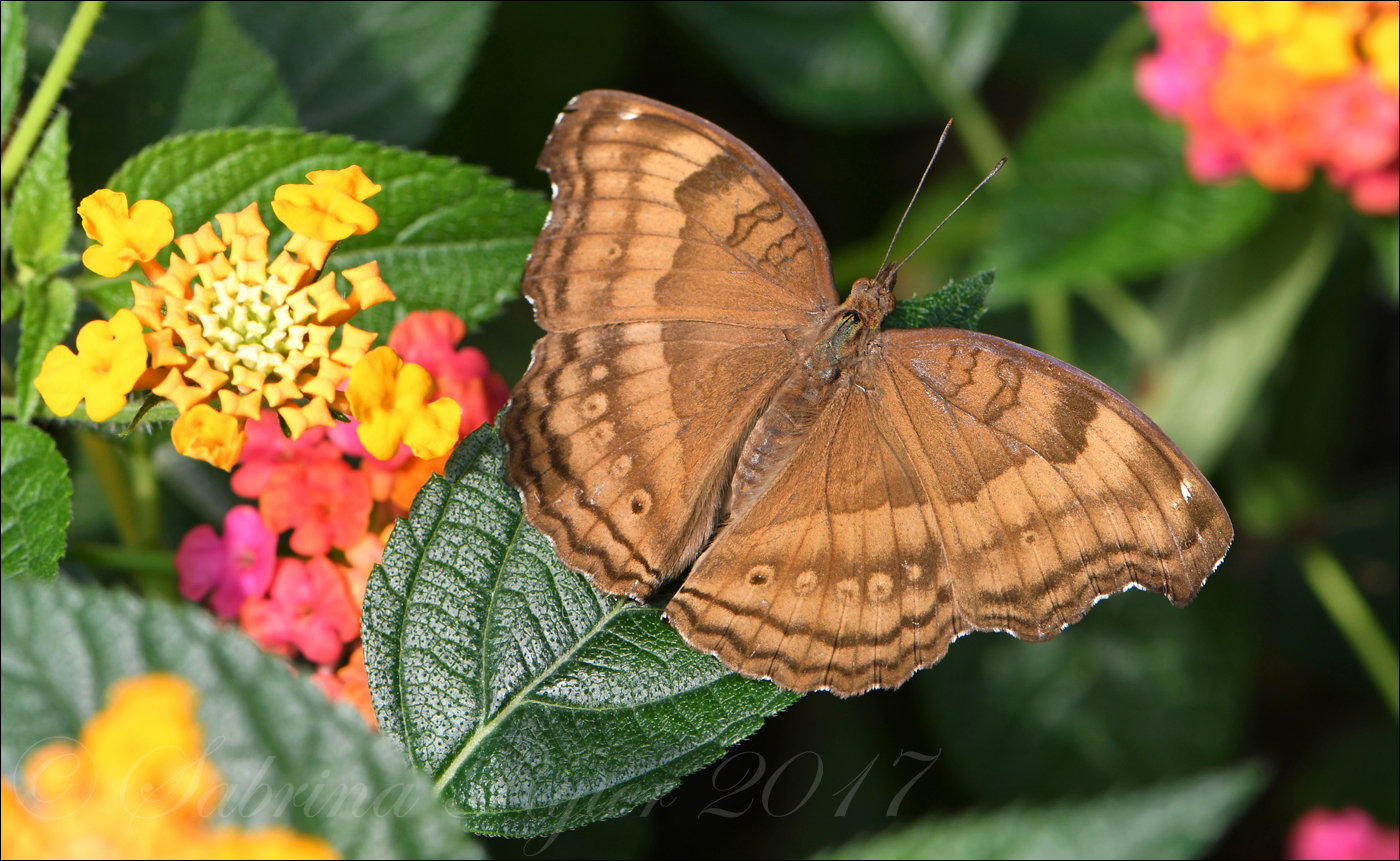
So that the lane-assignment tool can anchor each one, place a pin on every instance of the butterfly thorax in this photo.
(845, 339)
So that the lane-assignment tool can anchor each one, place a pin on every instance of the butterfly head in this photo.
(873, 298)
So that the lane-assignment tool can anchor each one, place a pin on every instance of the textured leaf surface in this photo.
(47, 315)
(11, 58)
(37, 504)
(41, 212)
(959, 305)
(267, 731)
(1181, 819)
(383, 71)
(449, 235)
(536, 704)
(1102, 192)
(230, 82)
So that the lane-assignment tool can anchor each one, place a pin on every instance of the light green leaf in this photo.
(1241, 311)
(963, 39)
(10, 295)
(449, 236)
(232, 82)
(1180, 819)
(280, 738)
(11, 58)
(41, 212)
(536, 704)
(1103, 193)
(383, 71)
(36, 504)
(958, 305)
(47, 317)
(837, 63)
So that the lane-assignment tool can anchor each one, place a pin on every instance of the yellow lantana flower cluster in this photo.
(135, 785)
(248, 332)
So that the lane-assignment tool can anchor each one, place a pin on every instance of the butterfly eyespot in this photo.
(1029, 537)
(598, 372)
(595, 405)
(805, 582)
(759, 575)
(848, 589)
(879, 586)
(641, 502)
(913, 572)
(621, 466)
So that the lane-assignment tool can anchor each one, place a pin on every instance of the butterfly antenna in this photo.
(917, 189)
(951, 214)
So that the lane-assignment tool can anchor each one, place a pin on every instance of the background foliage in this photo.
(1258, 329)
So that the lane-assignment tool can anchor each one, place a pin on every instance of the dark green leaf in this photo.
(959, 305)
(536, 704)
(64, 645)
(148, 403)
(163, 412)
(232, 82)
(48, 314)
(1136, 692)
(1103, 193)
(1385, 239)
(830, 62)
(383, 71)
(41, 212)
(125, 35)
(36, 508)
(1181, 819)
(10, 294)
(449, 235)
(11, 59)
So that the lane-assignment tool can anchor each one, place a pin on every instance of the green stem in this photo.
(1051, 322)
(125, 558)
(1352, 615)
(1128, 317)
(145, 489)
(36, 116)
(972, 122)
(112, 477)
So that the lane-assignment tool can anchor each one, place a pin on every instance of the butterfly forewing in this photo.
(956, 482)
(676, 276)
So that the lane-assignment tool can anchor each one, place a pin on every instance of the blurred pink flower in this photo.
(267, 449)
(235, 567)
(327, 503)
(310, 609)
(1349, 833)
(430, 339)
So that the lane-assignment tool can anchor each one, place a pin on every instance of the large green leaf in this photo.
(1233, 317)
(49, 306)
(1102, 192)
(230, 82)
(383, 71)
(41, 212)
(449, 235)
(64, 645)
(839, 63)
(1180, 819)
(11, 58)
(958, 305)
(36, 507)
(1137, 691)
(126, 34)
(536, 704)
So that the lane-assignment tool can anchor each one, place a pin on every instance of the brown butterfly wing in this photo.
(956, 482)
(675, 276)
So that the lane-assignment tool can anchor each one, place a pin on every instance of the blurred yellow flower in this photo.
(1381, 42)
(389, 398)
(111, 358)
(330, 208)
(206, 434)
(126, 236)
(135, 785)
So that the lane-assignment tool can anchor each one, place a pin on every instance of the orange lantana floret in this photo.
(126, 236)
(206, 434)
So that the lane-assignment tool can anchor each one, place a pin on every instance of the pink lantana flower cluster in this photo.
(1351, 833)
(335, 503)
(1277, 89)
